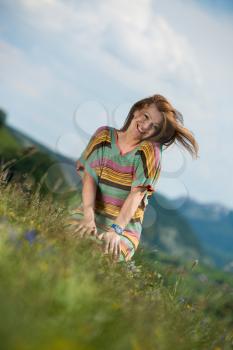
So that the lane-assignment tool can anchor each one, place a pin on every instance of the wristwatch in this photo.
(119, 230)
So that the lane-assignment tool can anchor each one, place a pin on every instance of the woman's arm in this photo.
(87, 225)
(111, 238)
(130, 206)
(88, 195)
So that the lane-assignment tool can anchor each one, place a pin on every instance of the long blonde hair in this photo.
(171, 129)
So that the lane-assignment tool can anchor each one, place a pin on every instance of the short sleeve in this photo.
(147, 166)
(90, 158)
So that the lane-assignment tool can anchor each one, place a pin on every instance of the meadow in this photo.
(62, 293)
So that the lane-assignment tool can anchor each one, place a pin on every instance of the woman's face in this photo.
(146, 122)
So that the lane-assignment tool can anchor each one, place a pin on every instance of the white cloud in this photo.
(126, 39)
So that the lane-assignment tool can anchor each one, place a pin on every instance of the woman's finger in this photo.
(75, 231)
(106, 246)
(100, 236)
(111, 246)
(90, 231)
(116, 250)
(119, 249)
(77, 227)
(80, 231)
(84, 231)
(94, 231)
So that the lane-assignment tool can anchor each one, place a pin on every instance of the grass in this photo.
(58, 293)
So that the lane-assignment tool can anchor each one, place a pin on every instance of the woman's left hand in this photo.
(111, 243)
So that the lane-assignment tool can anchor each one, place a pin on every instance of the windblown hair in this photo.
(171, 130)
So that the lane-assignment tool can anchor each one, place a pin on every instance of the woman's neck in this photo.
(127, 140)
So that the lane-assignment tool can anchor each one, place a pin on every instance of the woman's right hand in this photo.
(85, 227)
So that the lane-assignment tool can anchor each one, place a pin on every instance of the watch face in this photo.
(118, 230)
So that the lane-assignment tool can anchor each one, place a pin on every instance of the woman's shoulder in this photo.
(102, 129)
(150, 152)
(102, 132)
(150, 146)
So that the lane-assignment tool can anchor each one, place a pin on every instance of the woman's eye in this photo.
(146, 115)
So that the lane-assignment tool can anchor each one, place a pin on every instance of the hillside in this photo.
(170, 232)
(213, 227)
(58, 292)
(27, 156)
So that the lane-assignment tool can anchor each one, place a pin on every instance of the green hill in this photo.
(9, 144)
(22, 157)
(58, 292)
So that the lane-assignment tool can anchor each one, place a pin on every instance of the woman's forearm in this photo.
(88, 195)
(130, 206)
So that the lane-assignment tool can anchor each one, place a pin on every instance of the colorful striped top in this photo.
(115, 175)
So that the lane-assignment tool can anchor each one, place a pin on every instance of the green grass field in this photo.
(60, 293)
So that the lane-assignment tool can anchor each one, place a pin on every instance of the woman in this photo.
(120, 170)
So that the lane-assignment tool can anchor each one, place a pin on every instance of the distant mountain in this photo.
(213, 226)
(168, 230)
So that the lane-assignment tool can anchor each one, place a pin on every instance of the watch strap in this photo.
(118, 229)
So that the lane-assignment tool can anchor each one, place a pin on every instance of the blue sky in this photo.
(67, 67)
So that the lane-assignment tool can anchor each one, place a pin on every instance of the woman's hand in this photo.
(85, 227)
(111, 243)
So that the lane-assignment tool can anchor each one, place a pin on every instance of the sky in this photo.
(68, 67)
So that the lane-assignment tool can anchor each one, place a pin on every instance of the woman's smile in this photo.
(138, 128)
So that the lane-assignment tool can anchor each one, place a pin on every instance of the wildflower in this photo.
(194, 263)
(133, 267)
(30, 236)
(181, 300)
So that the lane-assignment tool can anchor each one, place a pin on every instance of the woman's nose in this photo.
(146, 125)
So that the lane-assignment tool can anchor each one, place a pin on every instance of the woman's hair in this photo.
(171, 129)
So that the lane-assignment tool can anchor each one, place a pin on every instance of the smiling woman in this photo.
(120, 170)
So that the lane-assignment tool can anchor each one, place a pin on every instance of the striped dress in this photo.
(115, 174)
